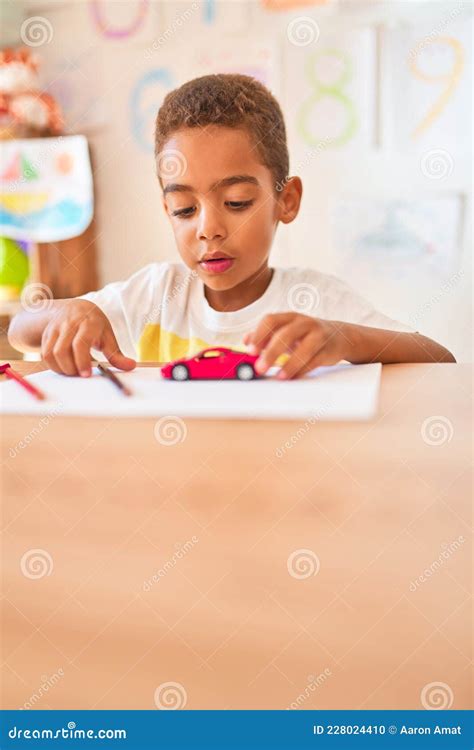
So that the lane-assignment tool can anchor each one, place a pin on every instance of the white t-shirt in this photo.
(161, 313)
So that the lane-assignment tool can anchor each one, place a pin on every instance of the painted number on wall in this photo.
(328, 92)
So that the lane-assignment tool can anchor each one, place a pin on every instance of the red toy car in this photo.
(216, 363)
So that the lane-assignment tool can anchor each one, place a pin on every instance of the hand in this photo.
(76, 327)
(310, 342)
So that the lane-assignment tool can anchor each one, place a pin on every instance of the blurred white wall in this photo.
(385, 207)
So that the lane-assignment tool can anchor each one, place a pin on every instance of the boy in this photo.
(222, 163)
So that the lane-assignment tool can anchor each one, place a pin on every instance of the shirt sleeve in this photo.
(129, 304)
(342, 302)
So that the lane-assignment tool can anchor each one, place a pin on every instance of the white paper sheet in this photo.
(342, 392)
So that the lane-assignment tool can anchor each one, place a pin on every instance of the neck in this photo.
(248, 291)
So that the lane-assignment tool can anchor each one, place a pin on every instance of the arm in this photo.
(65, 333)
(389, 347)
(26, 328)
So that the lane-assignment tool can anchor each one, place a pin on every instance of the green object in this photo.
(14, 268)
(27, 169)
(322, 91)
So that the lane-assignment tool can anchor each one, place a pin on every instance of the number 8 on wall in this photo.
(323, 91)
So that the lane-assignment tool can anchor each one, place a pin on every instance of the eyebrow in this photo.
(176, 187)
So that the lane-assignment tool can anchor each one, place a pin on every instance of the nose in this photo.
(211, 223)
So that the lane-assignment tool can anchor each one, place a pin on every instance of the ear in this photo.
(289, 200)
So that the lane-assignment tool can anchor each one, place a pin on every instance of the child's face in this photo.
(222, 203)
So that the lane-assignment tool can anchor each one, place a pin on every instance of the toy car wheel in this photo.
(180, 372)
(245, 371)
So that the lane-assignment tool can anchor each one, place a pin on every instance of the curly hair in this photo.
(232, 100)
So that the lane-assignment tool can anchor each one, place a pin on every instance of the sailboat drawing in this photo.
(46, 190)
(18, 170)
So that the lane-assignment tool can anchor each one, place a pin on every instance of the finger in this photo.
(322, 359)
(303, 353)
(280, 343)
(48, 341)
(110, 348)
(81, 347)
(63, 352)
(259, 338)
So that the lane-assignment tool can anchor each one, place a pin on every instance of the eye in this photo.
(183, 212)
(238, 205)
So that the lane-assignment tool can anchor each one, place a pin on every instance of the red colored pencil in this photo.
(7, 370)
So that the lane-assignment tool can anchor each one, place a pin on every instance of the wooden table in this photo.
(330, 573)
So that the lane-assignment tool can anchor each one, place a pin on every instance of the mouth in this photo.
(217, 264)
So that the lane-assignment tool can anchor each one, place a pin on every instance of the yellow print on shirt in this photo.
(158, 345)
